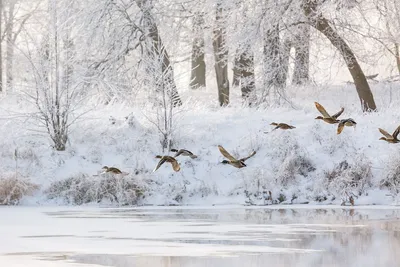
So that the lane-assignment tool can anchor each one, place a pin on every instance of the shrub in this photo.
(82, 189)
(12, 190)
(392, 178)
(345, 177)
(294, 164)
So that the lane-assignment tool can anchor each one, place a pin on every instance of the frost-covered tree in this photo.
(16, 15)
(221, 53)
(198, 65)
(315, 18)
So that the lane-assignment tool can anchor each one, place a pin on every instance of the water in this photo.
(188, 237)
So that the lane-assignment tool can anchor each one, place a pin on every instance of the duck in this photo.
(345, 122)
(172, 160)
(282, 126)
(237, 163)
(183, 152)
(113, 170)
(326, 117)
(390, 138)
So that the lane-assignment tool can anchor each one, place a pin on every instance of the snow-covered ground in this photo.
(200, 236)
(298, 166)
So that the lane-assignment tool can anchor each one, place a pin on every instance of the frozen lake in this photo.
(200, 236)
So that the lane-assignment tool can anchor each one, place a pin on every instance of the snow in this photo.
(200, 127)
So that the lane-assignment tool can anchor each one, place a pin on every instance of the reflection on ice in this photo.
(219, 237)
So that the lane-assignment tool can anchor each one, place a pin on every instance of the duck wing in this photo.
(396, 132)
(226, 154)
(322, 110)
(246, 158)
(178, 153)
(115, 170)
(335, 116)
(340, 126)
(161, 162)
(175, 165)
(386, 134)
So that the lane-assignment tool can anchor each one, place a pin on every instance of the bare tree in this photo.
(390, 9)
(243, 65)
(198, 69)
(1, 42)
(156, 49)
(244, 74)
(273, 58)
(52, 69)
(310, 8)
(301, 44)
(13, 27)
(221, 55)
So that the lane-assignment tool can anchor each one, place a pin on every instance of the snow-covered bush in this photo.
(392, 178)
(294, 164)
(81, 189)
(13, 189)
(349, 178)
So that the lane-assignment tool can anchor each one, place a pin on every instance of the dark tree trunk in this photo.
(198, 71)
(285, 56)
(273, 72)
(243, 73)
(397, 55)
(302, 56)
(221, 57)
(1, 50)
(236, 70)
(160, 55)
(321, 24)
(10, 47)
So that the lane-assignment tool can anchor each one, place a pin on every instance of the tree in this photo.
(243, 65)
(52, 66)
(301, 44)
(156, 50)
(390, 10)
(1, 50)
(13, 27)
(221, 55)
(244, 74)
(198, 65)
(316, 20)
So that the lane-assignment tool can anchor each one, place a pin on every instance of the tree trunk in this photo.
(397, 54)
(10, 48)
(285, 57)
(1, 50)
(221, 57)
(160, 54)
(273, 72)
(243, 73)
(236, 70)
(198, 70)
(321, 24)
(302, 56)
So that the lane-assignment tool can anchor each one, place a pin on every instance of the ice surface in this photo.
(201, 236)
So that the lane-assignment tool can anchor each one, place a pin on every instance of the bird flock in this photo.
(240, 163)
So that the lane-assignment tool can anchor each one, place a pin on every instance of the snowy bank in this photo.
(309, 164)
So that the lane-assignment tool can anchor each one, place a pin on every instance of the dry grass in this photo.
(12, 190)
(81, 189)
